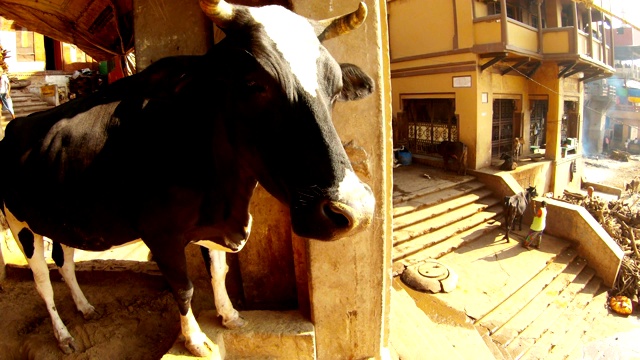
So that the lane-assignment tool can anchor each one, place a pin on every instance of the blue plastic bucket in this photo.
(404, 157)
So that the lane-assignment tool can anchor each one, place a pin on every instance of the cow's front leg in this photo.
(63, 256)
(231, 319)
(32, 246)
(173, 264)
(40, 270)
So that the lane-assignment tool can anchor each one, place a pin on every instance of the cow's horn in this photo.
(219, 11)
(342, 24)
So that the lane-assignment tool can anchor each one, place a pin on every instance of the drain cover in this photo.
(433, 270)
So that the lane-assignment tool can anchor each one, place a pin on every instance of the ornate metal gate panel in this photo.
(429, 122)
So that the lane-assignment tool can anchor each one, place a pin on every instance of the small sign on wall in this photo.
(462, 81)
(48, 90)
(49, 94)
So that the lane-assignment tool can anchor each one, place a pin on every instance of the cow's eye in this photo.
(254, 87)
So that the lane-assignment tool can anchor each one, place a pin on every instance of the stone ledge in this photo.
(267, 335)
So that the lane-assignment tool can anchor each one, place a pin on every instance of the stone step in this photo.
(266, 335)
(600, 333)
(433, 195)
(535, 318)
(491, 270)
(541, 325)
(458, 200)
(512, 296)
(441, 220)
(419, 181)
(456, 241)
(469, 222)
(23, 105)
(509, 319)
(560, 323)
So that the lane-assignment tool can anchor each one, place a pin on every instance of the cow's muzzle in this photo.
(336, 217)
(346, 219)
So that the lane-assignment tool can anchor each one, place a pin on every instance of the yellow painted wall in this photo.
(441, 86)
(464, 12)
(38, 44)
(556, 42)
(436, 55)
(486, 32)
(424, 32)
(523, 37)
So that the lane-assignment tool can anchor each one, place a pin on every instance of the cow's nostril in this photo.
(340, 216)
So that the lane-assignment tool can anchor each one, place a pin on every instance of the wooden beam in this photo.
(534, 69)
(492, 61)
(515, 67)
(567, 68)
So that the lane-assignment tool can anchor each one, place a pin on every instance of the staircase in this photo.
(24, 103)
(515, 303)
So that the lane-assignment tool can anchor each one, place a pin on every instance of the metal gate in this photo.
(429, 122)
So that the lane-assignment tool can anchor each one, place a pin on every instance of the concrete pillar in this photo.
(184, 30)
(349, 279)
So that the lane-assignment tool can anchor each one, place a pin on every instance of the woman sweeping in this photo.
(537, 227)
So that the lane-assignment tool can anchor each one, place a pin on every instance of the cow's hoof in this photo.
(199, 345)
(91, 314)
(235, 323)
(68, 345)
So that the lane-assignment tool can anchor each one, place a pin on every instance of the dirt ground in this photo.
(611, 172)
(139, 316)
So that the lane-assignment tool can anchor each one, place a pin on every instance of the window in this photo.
(570, 126)
(429, 121)
(25, 49)
(513, 11)
(537, 131)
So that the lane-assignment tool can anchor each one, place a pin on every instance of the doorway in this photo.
(538, 125)
(506, 125)
(429, 122)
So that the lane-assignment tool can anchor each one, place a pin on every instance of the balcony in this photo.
(519, 39)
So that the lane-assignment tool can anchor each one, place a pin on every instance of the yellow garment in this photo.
(539, 221)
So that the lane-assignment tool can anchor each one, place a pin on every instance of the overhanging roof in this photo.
(101, 28)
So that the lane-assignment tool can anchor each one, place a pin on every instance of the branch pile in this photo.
(621, 220)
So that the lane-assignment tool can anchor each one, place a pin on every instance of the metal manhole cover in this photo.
(433, 270)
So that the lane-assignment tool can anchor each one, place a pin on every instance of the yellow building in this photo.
(467, 70)
(31, 52)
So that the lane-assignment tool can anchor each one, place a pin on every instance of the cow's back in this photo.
(101, 161)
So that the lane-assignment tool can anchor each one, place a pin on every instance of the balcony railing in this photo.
(489, 33)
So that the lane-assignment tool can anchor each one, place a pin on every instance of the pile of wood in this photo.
(620, 155)
(621, 220)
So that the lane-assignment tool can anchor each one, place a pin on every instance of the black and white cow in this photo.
(172, 156)
(514, 207)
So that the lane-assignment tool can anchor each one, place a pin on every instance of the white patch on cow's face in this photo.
(353, 192)
(295, 39)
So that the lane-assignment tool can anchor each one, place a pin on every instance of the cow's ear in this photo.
(355, 83)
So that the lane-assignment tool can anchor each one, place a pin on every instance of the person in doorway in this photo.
(534, 238)
(605, 145)
(5, 92)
